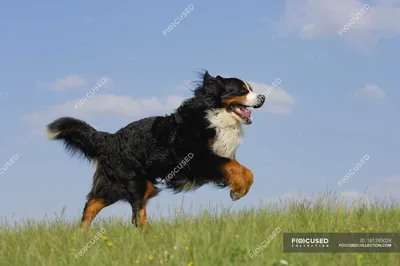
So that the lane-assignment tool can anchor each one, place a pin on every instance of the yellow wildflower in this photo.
(363, 229)
(370, 229)
(150, 257)
(104, 237)
(190, 263)
(109, 243)
(361, 256)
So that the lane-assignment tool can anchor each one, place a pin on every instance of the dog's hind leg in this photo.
(92, 208)
(135, 213)
(97, 199)
(139, 207)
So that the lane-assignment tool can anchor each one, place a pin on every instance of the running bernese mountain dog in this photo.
(182, 151)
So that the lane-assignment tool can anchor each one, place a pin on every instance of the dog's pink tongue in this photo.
(246, 112)
(243, 111)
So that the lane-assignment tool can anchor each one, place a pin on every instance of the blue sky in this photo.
(338, 100)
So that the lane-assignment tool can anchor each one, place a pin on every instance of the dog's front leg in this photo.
(239, 178)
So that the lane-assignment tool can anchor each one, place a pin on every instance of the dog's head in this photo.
(234, 95)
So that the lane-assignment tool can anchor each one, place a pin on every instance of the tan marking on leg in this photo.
(150, 191)
(248, 178)
(92, 208)
(239, 178)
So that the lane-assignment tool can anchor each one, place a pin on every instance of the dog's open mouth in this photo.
(244, 112)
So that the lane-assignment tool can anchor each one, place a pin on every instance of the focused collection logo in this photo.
(309, 242)
(340, 242)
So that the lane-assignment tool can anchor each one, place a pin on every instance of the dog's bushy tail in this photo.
(78, 137)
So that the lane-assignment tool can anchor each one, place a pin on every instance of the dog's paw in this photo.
(236, 195)
(146, 225)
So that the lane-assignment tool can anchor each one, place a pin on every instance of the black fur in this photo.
(150, 148)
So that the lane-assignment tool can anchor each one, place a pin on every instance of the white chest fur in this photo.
(229, 132)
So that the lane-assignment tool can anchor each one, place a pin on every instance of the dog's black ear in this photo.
(211, 86)
(220, 80)
(207, 77)
(212, 82)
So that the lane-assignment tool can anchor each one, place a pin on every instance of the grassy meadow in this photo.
(205, 239)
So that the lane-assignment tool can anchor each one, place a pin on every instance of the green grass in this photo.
(204, 239)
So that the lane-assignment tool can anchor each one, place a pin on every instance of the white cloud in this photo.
(373, 91)
(351, 194)
(106, 105)
(356, 198)
(108, 84)
(278, 100)
(392, 179)
(292, 198)
(128, 108)
(315, 18)
(69, 81)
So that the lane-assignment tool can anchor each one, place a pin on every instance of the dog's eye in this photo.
(244, 88)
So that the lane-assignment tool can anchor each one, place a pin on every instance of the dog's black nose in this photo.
(260, 101)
